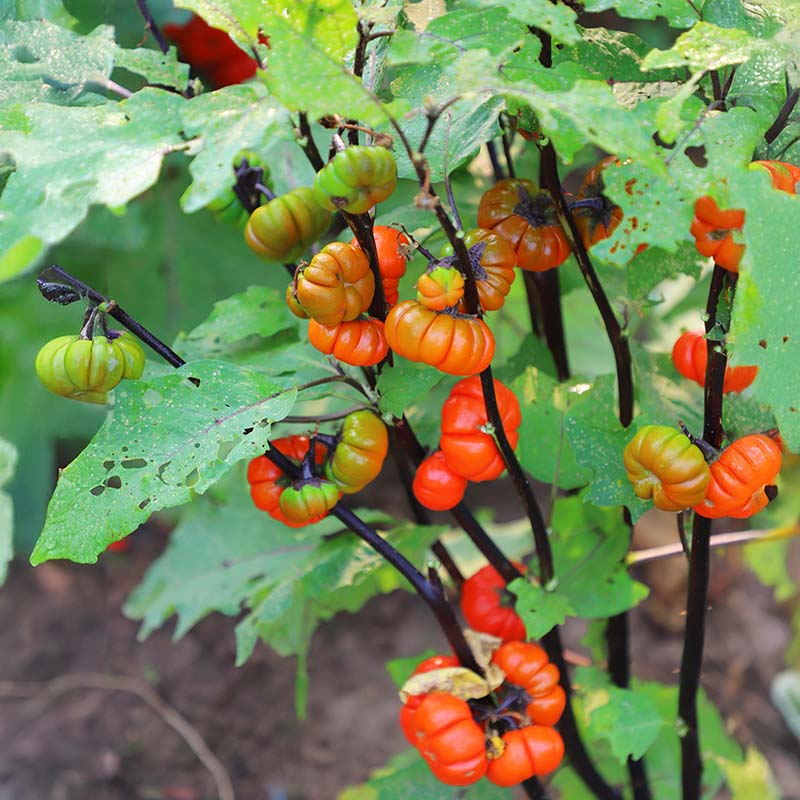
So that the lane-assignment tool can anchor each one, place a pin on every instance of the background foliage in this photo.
(107, 160)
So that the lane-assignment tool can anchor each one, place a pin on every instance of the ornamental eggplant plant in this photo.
(588, 193)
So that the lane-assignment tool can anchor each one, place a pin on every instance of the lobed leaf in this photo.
(166, 440)
(104, 154)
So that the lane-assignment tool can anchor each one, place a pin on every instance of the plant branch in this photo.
(362, 227)
(497, 169)
(552, 642)
(573, 743)
(418, 511)
(617, 633)
(783, 116)
(548, 291)
(334, 415)
(718, 540)
(616, 336)
(700, 562)
(568, 727)
(151, 25)
(307, 143)
(462, 515)
(432, 595)
(67, 281)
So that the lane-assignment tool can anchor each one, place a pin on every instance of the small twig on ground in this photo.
(44, 692)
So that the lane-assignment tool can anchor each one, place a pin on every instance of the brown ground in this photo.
(63, 619)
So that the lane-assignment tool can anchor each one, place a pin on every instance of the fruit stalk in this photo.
(70, 282)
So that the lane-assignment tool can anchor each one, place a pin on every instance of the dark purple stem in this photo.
(433, 596)
(113, 310)
(700, 563)
(152, 26)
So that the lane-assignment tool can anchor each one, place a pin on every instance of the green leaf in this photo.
(225, 122)
(557, 20)
(706, 47)
(407, 777)
(598, 439)
(51, 10)
(662, 393)
(585, 112)
(8, 461)
(628, 720)
(769, 560)
(258, 312)
(753, 778)
(460, 131)
(541, 609)
(404, 383)
(589, 548)
(654, 265)
(234, 558)
(613, 56)
(154, 66)
(340, 574)
(306, 67)
(98, 155)
(767, 307)
(166, 440)
(591, 578)
(678, 13)
(544, 449)
(401, 669)
(45, 63)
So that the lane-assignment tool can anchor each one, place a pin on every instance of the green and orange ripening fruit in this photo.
(468, 449)
(308, 503)
(356, 179)
(526, 665)
(393, 248)
(337, 286)
(524, 753)
(360, 451)
(436, 486)
(449, 739)
(360, 343)
(408, 712)
(284, 228)
(493, 259)
(663, 465)
(441, 288)
(488, 606)
(87, 369)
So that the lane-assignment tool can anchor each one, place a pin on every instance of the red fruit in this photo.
(436, 486)
(488, 607)
(690, 356)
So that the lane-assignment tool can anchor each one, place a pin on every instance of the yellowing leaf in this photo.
(458, 681)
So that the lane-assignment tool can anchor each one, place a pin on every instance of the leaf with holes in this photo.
(165, 440)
